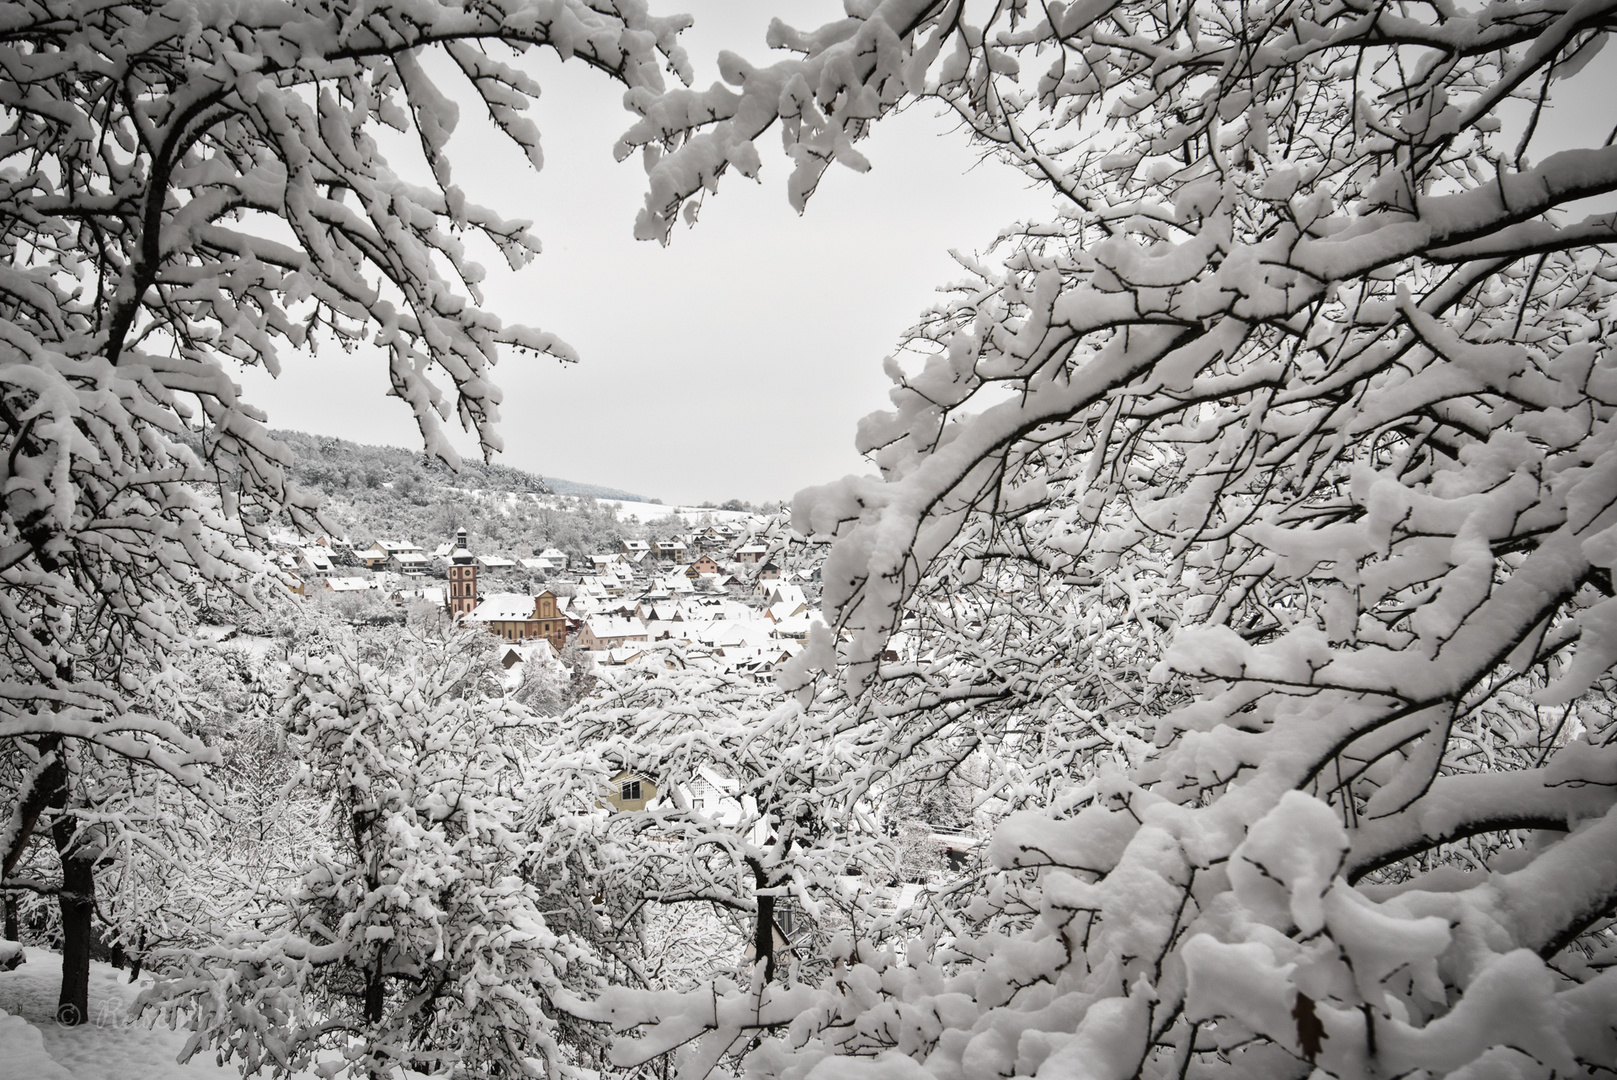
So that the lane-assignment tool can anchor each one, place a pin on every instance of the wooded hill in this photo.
(385, 491)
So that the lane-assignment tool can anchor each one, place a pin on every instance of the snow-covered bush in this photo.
(412, 936)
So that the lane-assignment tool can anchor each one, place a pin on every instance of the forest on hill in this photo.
(374, 492)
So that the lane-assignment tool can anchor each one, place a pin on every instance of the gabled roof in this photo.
(503, 607)
(785, 592)
(607, 626)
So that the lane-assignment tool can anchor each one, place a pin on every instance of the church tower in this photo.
(462, 598)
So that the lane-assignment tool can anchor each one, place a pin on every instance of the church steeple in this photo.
(462, 599)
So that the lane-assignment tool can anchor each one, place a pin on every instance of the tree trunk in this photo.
(140, 955)
(763, 940)
(77, 901)
(12, 933)
(374, 994)
(763, 932)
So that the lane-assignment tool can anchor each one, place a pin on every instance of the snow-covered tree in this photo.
(189, 186)
(1268, 483)
(413, 936)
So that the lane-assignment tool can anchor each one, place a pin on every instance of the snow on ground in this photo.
(642, 511)
(626, 509)
(34, 1047)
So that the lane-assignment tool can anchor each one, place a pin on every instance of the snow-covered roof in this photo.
(503, 607)
(785, 592)
(607, 626)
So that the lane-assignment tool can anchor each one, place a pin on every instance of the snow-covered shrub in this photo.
(412, 936)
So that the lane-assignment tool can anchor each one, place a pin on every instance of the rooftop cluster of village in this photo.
(722, 591)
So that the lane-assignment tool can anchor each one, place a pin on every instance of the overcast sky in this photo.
(734, 363)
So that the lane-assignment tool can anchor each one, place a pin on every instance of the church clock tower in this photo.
(462, 599)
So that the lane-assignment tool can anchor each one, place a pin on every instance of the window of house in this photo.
(631, 791)
(696, 803)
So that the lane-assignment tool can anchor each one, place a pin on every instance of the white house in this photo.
(315, 562)
(602, 632)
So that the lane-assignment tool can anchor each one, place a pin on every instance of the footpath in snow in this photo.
(109, 1047)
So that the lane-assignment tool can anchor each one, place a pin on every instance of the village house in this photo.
(670, 550)
(751, 553)
(630, 791)
(709, 793)
(315, 562)
(704, 564)
(546, 561)
(398, 547)
(796, 625)
(602, 632)
(711, 540)
(784, 592)
(435, 595)
(631, 548)
(411, 563)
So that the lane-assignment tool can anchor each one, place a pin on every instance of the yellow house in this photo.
(630, 790)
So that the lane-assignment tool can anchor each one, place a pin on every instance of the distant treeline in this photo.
(374, 492)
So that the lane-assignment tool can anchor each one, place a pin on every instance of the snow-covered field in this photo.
(643, 511)
(110, 1047)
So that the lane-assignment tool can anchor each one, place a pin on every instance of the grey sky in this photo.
(737, 361)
